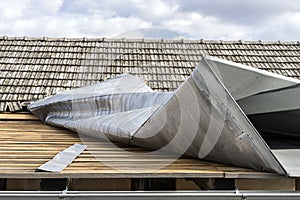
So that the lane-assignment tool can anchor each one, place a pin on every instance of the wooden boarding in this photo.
(26, 143)
(18, 117)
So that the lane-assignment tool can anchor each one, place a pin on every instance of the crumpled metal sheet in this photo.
(249, 85)
(271, 102)
(62, 159)
(200, 118)
(115, 109)
(243, 81)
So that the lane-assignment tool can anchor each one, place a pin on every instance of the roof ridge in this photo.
(145, 40)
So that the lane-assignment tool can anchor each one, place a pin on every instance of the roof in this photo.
(27, 143)
(33, 68)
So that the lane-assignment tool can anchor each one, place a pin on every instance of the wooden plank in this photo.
(18, 116)
(92, 162)
(25, 122)
(109, 174)
(252, 174)
(27, 127)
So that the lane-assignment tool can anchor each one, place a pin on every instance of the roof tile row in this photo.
(32, 68)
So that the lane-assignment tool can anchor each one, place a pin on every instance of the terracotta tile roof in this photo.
(32, 68)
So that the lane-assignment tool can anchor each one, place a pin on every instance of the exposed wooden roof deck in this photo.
(26, 143)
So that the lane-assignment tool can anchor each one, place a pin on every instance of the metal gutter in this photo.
(167, 195)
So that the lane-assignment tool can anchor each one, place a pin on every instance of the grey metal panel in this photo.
(272, 101)
(290, 159)
(123, 84)
(243, 81)
(63, 159)
(204, 121)
(114, 109)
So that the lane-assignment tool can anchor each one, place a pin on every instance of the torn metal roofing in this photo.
(201, 118)
(33, 68)
(62, 159)
(271, 101)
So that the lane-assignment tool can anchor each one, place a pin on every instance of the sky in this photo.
(269, 20)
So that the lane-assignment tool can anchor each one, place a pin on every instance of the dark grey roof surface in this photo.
(33, 68)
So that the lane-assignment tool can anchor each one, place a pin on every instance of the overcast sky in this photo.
(195, 19)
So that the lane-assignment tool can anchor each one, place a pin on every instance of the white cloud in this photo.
(282, 27)
(208, 19)
(198, 26)
(155, 9)
(46, 6)
(12, 9)
(20, 9)
(73, 26)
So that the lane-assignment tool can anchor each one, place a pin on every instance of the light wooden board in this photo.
(26, 143)
(18, 116)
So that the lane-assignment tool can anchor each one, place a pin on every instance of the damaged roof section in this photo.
(205, 117)
(33, 68)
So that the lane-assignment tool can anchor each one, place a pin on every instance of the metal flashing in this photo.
(62, 159)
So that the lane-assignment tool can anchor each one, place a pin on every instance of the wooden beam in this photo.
(18, 117)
